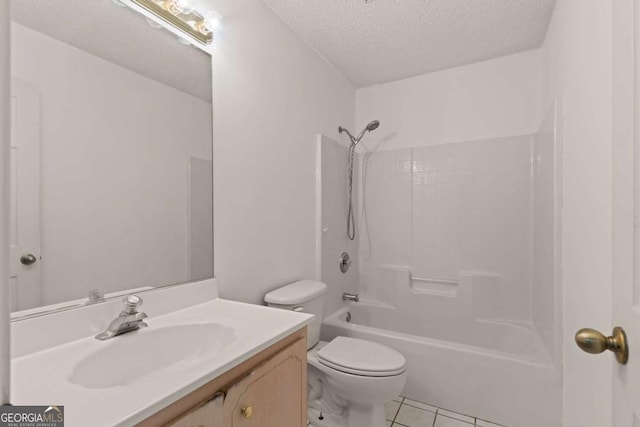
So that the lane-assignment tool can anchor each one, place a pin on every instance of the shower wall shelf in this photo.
(432, 286)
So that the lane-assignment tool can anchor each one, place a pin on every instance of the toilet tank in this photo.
(306, 296)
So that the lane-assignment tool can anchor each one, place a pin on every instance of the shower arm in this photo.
(351, 137)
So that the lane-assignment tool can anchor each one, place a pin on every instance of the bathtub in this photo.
(497, 371)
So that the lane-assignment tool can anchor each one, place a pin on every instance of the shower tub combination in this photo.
(492, 370)
(457, 242)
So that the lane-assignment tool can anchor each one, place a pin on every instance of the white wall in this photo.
(491, 99)
(578, 70)
(272, 95)
(4, 201)
(115, 150)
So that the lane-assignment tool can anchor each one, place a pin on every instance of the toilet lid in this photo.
(360, 357)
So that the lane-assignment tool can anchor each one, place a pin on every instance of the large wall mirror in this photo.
(111, 155)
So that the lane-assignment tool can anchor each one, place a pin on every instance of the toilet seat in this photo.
(361, 357)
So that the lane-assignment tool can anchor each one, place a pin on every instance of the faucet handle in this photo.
(131, 303)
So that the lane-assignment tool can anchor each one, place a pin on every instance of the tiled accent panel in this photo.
(403, 412)
(334, 222)
(444, 209)
(436, 199)
(385, 224)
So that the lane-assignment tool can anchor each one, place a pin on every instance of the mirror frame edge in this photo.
(7, 317)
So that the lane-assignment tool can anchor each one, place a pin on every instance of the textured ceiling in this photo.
(385, 40)
(122, 36)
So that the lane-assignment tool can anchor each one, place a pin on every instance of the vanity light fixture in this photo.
(182, 15)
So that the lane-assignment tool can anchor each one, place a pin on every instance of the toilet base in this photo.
(327, 420)
(355, 416)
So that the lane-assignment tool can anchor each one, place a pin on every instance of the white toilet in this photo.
(349, 379)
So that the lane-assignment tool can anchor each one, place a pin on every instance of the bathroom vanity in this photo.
(268, 390)
(202, 361)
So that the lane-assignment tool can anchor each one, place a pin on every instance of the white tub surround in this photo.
(49, 350)
(458, 262)
(331, 229)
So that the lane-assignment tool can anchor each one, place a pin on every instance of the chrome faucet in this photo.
(128, 320)
(350, 297)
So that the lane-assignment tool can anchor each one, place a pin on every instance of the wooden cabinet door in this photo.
(209, 414)
(273, 395)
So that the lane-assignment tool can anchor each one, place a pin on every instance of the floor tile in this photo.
(482, 423)
(456, 416)
(398, 399)
(390, 410)
(388, 423)
(442, 421)
(415, 417)
(420, 405)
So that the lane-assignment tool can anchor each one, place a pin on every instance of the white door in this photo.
(626, 208)
(24, 216)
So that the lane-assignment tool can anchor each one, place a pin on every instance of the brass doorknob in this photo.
(247, 411)
(594, 342)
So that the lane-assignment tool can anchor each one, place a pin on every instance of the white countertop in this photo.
(42, 377)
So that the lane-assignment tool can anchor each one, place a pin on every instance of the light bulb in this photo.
(181, 6)
(212, 22)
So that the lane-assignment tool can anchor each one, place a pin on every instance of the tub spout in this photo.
(350, 297)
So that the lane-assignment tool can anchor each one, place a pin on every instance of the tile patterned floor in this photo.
(403, 412)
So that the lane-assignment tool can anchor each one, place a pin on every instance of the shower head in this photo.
(355, 140)
(373, 125)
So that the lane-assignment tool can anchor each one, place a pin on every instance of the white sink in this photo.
(193, 337)
(136, 356)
